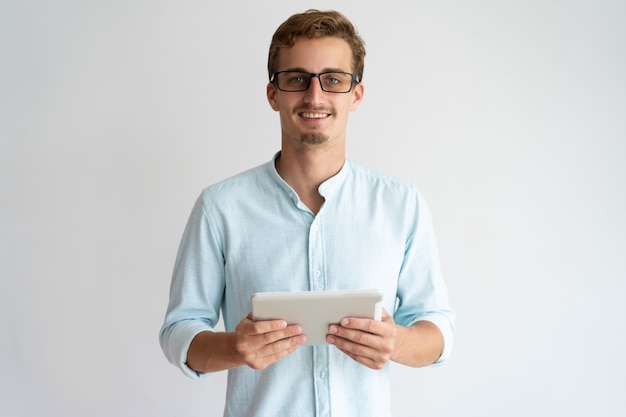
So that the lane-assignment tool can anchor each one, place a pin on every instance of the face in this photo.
(315, 117)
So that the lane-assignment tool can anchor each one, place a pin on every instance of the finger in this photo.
(273, 336)
(361, 353)
(377, 336)
(367, 361)
(263, 326)
(281, 347)
(254, 335)
(364, 325)
(355, 336)
(272, 330)
(369, 356)
(267, 354)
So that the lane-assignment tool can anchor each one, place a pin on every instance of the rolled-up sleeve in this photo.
(422, 292)
(197, 287)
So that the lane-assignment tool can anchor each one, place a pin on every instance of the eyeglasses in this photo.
(331, 82)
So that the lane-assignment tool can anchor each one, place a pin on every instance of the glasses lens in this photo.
(333, 82)
(293, 81)
(336, 82)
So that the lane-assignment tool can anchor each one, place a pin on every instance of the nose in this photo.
(314, 93)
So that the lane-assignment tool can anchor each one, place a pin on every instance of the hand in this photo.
(367, 341)
(261, 343)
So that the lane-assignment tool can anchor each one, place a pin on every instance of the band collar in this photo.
(327, 189)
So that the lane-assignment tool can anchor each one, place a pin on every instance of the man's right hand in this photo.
(261, 343)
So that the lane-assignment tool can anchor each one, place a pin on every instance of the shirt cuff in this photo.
(447, 330)
(176, 344)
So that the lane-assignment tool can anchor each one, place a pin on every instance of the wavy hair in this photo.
(314, 24)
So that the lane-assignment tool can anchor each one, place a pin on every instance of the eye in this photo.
(296, 80)
(336, 82)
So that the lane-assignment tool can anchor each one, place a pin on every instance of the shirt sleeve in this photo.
(197, 287)
(422, 292)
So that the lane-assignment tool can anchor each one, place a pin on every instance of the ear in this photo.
(357, 96)
(271, 93)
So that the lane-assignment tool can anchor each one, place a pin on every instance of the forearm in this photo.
(211, 352)
(418, 345)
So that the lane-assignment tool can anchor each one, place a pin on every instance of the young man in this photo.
(309, 220)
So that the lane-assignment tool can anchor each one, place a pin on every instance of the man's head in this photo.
(317, 45)
(315, 24)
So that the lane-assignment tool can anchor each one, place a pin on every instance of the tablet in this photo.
(315, 310)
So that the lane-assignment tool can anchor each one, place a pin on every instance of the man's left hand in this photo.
(367, 341)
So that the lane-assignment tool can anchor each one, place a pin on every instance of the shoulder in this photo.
(383, 181)
(246, 183)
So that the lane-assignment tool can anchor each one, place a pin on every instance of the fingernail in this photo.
(332, 329)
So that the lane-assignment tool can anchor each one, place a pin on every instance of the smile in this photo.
(310, 115)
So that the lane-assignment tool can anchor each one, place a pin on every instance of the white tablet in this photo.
(315, 310)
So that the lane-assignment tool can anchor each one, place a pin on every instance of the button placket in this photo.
(316, 257)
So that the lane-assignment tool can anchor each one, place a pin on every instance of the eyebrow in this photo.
(300, 69)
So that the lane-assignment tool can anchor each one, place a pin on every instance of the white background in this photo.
(509, 115)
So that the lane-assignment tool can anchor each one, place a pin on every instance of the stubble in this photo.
(313, 138)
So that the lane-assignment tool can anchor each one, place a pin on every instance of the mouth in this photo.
(313, 115)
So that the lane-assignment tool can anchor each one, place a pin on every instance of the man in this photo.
(309, 220)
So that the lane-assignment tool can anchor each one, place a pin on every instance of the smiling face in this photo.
(314, 117)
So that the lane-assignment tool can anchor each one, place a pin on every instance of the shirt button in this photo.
(323, 374)
(317, 273)
(315, 228)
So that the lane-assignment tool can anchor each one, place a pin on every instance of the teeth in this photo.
(314, 115)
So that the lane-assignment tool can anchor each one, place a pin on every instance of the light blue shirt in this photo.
(251, 233)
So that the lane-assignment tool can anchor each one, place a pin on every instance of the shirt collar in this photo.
(327, 189)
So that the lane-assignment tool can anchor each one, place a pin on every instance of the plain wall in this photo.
(509, 115)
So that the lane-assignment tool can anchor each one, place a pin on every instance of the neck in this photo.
(306, 171)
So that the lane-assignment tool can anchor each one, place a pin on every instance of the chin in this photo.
(313, 138)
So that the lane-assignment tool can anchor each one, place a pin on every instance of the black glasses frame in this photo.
(355, 79)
